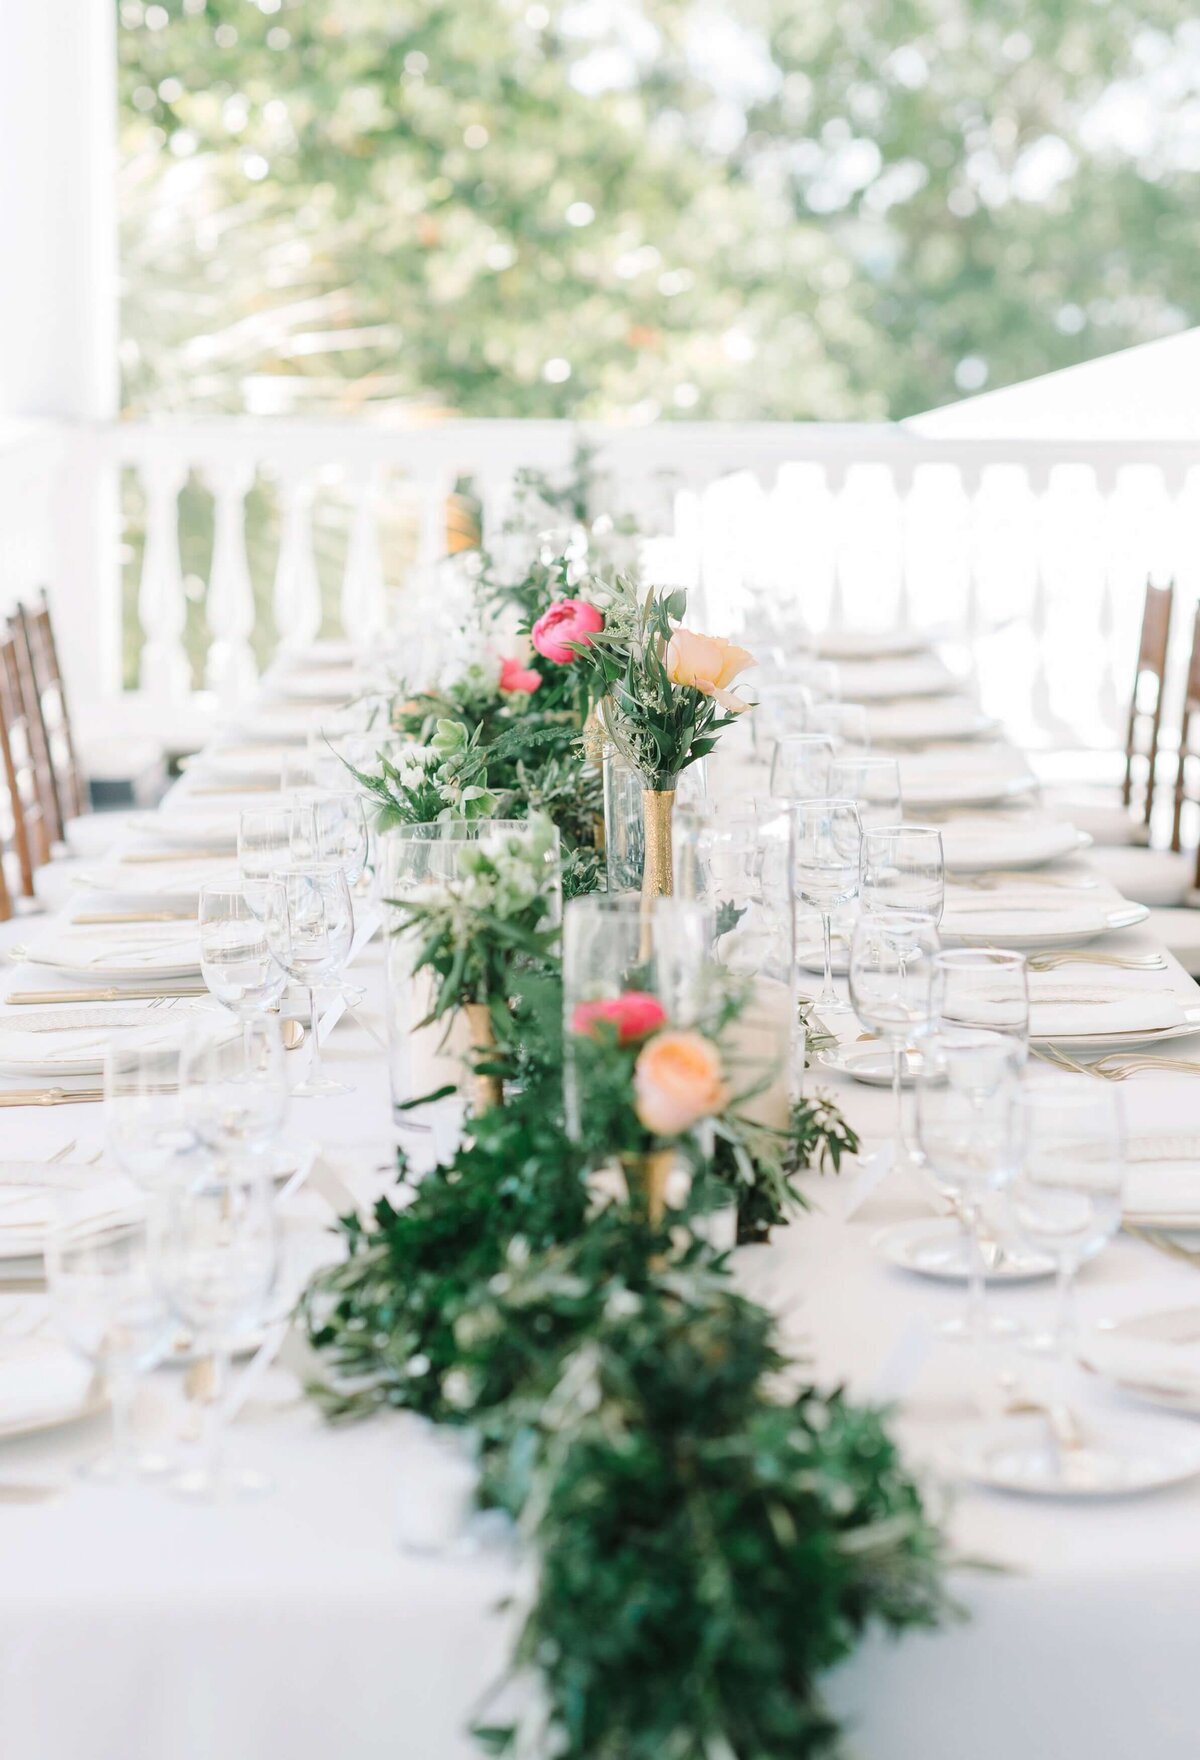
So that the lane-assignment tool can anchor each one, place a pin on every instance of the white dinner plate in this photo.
(964, 787)
(928, 718)
(123, 953)
(204, 828)
(979, 844)
(908, 675)
(870, 1064)
(241, 763)
(176, 883)
(1038, 926)
(865, 644)
(932, 1246)
(325, 685)
(1154, 1357)
(1014, 1457)
(1115, 1039)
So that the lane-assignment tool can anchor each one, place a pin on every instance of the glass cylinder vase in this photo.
(431, 1055)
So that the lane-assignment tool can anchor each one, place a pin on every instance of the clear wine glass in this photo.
(215, 1256)
(873, 782)
(270, 838)
(1065, 1200)
(892, 964)
(969, 1133)
(340, 824)
(236, 960)
(800, 767)
(844, 723)
(107, 1307)
(148, 1132)
(826, 839)
(903, 869)
(234, 1089)
(315, 936)
(981, 998)
(781, 708)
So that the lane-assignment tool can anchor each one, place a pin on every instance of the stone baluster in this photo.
(165, 672)
(364, 589)
(297, 596)
(230, 669)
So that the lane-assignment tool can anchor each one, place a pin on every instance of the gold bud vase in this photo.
(486, 1091)
(658, 874)
(646, 1179)
(593, 738)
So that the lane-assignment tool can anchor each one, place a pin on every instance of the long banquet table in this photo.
(133, 1627)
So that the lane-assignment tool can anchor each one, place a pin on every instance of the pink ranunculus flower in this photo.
(634, 1014)
(564, 622)
(709, 664)
(677, 1082)
(515, 677)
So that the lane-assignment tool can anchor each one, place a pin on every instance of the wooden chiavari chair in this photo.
(30, 828)
(1148, 682)
(46, 702)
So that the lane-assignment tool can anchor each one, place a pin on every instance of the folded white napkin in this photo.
(913, 675)
(39, 1377)
(926, 718)
(1162, 1194)
(25, 1217)
(1073, 1014)
(994, 917)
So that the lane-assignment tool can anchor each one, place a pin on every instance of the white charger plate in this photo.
(1153, 1357)
(1013, 1457)
(981, 789)
(931, 1247)
(996, 843)
(1185, 1027)
(924, 719)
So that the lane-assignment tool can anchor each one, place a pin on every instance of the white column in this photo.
(58, 296)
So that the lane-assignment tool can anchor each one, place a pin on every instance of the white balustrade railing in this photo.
(1036, 552)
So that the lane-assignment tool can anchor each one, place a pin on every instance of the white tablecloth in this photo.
(136, 1628)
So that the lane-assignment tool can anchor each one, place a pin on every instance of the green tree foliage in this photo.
(775, 208)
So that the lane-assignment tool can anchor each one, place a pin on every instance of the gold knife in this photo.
(48, 1096)
(135, 917)
(110, 995)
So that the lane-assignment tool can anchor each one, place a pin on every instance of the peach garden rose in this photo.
(677, 1082)
(709, 664)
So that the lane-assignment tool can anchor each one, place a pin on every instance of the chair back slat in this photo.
(50, 705)
(30, 831)
(1153, 647)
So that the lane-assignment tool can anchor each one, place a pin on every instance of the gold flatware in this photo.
(292, 1034)
(1162, 1243)
(22, 997)
(97, 917)
(49, 1096)
(1118, 1068)
(1133, 962)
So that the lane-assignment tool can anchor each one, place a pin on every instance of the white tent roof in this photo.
(1151, 392)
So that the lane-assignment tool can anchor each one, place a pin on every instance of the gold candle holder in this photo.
(486, 1091)
(646, 1178)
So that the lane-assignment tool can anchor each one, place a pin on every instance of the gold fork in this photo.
(1142, 962)
(1115, 1068)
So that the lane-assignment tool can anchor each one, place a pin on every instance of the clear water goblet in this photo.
(315, 935)
(215, 1255)
(903, 869)
(271, 838)
(800, 767)
(826, 840)
(147, 1129)
(892, 964)
(234, 1090)
(873, 782)
(844, 723)
(236, 958)
(108, 1308)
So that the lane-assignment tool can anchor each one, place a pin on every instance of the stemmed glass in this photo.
(981, 998)
(800, 767)
(1066, 1198)
(903, 869)
(236, 959)
(314, 937)
(341, 837)
(892, 962)
(844, 723)
(234, 1091)
(822, 679)
(215, 1257)
(109, 1310)
(144, 1119)
(270, 838)
(969, 1132)
(874, 783)
(826, 840)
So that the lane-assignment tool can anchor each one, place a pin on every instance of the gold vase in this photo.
(593, 738)
(658, 878)
(646, 1178)
(486, 1091)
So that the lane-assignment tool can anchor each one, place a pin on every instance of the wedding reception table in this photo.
(134, 1627)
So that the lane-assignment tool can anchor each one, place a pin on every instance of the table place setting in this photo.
(917, 674)
(919, 721)
(952, 775)
(986, 843)
(126, 952)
